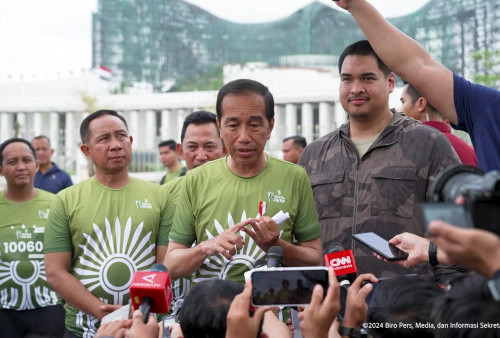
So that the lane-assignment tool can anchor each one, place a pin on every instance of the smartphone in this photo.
(290, 286)
(447, 212)
(381, 246)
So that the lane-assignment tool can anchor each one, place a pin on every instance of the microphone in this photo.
(342, 262)
(274, 256)
(151, 291)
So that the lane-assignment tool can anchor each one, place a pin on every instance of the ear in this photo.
(131, 139)
(217, 122)
(178, 147)
(271, 126)
(391, 81)
(85, 150)
(421, 104)
(51, 152)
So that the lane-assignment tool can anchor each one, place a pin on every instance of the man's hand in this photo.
(141, 330)
(356, 307)
(473, 248)
(239, 322)
(318, 316)
(264, 232)
(115, 328)
(226, 243)
(417, 248)
(108, 308)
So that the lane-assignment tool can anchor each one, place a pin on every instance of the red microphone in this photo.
(342, 262)
(151, 291)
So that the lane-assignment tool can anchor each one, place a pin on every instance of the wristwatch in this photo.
(433, 260)
(349, 331)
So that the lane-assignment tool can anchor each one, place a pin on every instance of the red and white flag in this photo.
(104, 73)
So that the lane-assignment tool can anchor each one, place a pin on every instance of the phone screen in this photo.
(286, 286)
(380, 246)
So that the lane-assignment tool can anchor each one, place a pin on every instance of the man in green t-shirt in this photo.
(104, 229)
(218, 205)
(28, 305)
(169, 157)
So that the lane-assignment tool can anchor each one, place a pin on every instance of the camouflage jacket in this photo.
(378, 192)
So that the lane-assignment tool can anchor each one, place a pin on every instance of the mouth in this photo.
(359, 100)
(244, 152)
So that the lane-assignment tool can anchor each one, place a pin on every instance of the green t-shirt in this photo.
(173, 175)
(111, 234)
(213, 198)
(173, 188)
(23, 285)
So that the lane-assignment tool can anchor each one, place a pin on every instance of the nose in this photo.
(115, 143)
(244, 135)
(357, 87)
(201, 154)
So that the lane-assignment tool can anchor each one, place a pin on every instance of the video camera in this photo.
(480, 190)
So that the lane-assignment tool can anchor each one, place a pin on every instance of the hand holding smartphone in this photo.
(381, 246)
(291, 286)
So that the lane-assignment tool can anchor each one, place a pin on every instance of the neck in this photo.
(20, 194)
(364, 128)
(173, 167)
(45, 167)
(247, 170)
(113, 180)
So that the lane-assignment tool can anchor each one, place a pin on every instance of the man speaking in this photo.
(219, 200)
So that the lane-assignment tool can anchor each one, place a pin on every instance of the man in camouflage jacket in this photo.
(371, 173)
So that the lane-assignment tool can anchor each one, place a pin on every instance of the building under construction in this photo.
(172, 42)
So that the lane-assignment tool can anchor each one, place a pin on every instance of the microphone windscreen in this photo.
(331, 246)
(158, 267)
(275, 250)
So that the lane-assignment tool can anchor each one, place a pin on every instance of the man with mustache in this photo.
(370, 174)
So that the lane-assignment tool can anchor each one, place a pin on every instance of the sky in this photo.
(49, 36)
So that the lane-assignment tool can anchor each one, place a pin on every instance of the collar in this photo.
(441, 126)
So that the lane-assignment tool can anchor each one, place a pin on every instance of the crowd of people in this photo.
(212, 220)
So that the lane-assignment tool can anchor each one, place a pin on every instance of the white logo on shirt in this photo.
(275, 197)
(143, 205)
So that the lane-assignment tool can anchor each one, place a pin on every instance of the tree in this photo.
(488, 64)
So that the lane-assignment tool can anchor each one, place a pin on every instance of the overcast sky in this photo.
(47, 36)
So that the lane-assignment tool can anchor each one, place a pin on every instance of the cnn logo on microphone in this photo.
(343, 261)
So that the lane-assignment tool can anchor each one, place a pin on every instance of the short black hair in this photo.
(297, 140)
(242, 85)
(205, 307)
(168, 143)
(402, 299)
(14, 140)
(41, 137)
(198, 117)
(363, 47)
(415, 95)
(84, 127)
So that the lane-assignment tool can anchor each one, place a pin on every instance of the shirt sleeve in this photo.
(306, 225)
(183, 227)
(57, 237)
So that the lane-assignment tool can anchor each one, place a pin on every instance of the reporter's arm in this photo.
(474, 248)
(432, 80)
(57, 265)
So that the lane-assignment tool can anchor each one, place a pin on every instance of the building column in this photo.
(21, 122)
(54, 129)
(82, 170)
(5, 126)
(325, 118)
(165, 124)
(37, 123)
(181, 115)
(340, 115)
(291, 119)
(71, 144)
(150, 130)
(134, 128)
(278, 134)
(307, 122)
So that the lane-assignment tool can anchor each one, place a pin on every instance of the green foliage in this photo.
(488, 63)
(210, 80)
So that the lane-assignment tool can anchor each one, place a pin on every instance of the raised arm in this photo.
(405, 57)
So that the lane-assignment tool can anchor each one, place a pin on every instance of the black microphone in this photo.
(274, 257)
(260, 262)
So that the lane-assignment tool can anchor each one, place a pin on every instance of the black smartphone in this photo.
(291, 286)
(447, 212)
(381, 246)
